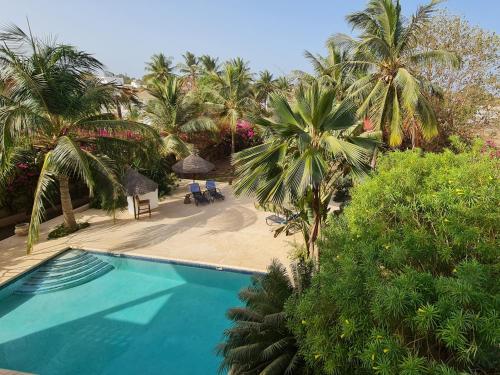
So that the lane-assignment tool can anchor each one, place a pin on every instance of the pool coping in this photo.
(138, 256)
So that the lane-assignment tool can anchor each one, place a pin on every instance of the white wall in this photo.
(153, 200)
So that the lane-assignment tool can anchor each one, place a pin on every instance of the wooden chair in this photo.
(142, 207)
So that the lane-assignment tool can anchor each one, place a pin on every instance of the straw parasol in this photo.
(193, 165)
(137, 184)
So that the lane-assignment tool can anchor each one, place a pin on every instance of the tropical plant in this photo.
(51, 102)
(259, 342)
(392, 94)
(409, 276)
(328, 70)
(263, 86)
(229, 94)
(284, 85)
(209, 64)
(159, 68)
(174, 113)
(312, 141)
(189, 68)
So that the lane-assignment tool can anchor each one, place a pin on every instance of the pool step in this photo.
(71, 269)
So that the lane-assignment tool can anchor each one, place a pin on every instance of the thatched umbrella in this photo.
(193, 165)
(137, 184)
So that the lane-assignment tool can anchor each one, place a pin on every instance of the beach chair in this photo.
(275, 219)
(213, 191)
(198, 195)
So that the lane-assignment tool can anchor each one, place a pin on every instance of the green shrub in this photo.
(61, 230)
(409, 274)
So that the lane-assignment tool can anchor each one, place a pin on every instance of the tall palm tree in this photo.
(391, 94)
(328, 69)
(263, 86)
(209, 64)
(189, 68)
(230, 96)
(260, 342)
(312, 140)
(284, 85)
(175, 113)
(51, 102)
(159, 68)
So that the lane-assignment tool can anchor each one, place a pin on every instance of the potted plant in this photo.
(21, 229)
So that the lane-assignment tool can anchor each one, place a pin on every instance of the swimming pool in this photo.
(139, 317)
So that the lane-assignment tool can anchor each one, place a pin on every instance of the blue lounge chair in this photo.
(213, 191)
(198, 195)
(280, 220)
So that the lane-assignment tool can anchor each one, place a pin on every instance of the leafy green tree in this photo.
(469, 90)
(159, 68)
(409, 275)
(259, 342)
(392, 94)
(229, 94)
(175, 113)
(312, 140)
(51, 102)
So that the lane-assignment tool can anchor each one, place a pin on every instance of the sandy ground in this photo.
(230, 233)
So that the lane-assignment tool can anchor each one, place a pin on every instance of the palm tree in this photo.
(51, 102)
(312, 141)
(209, 64)
(260, 342)
(391, 94)
(328, 69)
(264, 86)
(284, 85)
(189, 68)
(175, 113)
(230, 96)
(159, 68)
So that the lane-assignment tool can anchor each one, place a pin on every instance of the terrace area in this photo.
(230, 233)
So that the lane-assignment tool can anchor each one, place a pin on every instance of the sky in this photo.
(271, 34)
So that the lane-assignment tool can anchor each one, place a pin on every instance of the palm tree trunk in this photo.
(66, 205)
(119, 110)
(315, 228)
(233, 147)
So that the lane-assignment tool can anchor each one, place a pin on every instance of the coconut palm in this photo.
(328, 69)
(209, 64)
(159, 68)
(312, 140)
(51, 102)
(189, 68)
(230, 94)
(391, 94)
(284, 85)
(175, 113)
(263, 86)
(260, 342)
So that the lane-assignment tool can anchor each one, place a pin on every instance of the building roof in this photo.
(136, 183)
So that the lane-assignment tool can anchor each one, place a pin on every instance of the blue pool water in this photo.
(141, 317)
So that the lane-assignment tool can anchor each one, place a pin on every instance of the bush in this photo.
(61, 230)
(408, 282)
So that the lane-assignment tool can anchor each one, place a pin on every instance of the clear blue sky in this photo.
(271, 34)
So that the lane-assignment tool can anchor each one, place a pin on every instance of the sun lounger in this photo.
(280, 220)
(213, 191)
(198, 195)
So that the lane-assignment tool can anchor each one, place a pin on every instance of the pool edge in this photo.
(155, 259)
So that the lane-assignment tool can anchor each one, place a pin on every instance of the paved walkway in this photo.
(230, 233)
